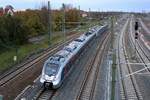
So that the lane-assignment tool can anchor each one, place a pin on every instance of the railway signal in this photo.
(136, 26)
(136, 30)
(136, 35)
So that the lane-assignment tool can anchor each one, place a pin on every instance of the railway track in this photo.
(129, 88)
(140, 45)
(45, 95)
(142, 55)
(48, 94)
(88, 86)
(139, 49)
(5, 78)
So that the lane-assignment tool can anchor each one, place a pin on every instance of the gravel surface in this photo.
(101, 84)
(143, 81)
(146, 33)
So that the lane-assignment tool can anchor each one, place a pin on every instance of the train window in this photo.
(51, 69)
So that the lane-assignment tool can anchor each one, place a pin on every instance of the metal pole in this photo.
(136, 35)
(99, 16)
(79, 17)
(135, 48)
(136, 43)
(113, 85)
(112, 30)
(89, 14)
(64, 20)
(16, 49)
(49, 23)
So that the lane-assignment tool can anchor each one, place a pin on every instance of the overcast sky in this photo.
(101, 5)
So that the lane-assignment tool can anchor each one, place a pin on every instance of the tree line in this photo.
(15, 30)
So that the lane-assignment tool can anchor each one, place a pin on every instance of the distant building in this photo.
(7, 10)
(84, 15)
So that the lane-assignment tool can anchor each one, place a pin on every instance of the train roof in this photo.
(80, 39)
(71, 47)
(55, 59)
(58, 57)
(63, 53)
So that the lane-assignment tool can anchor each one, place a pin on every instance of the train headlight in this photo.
(54, 78)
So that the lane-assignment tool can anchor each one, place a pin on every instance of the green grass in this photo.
(113, 77)
(6, 57)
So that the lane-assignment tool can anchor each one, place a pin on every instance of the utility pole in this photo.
(99, 16)
(113, 59)
(112, 30)
(16, 48)
(89, 14)
(49, 24)
(79, 17)
(64, 21)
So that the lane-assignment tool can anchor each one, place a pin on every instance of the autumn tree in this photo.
(12, 31)
(32, 19)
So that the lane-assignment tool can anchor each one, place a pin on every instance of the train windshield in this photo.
(51, 69)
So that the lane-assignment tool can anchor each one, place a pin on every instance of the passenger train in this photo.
(57, 67)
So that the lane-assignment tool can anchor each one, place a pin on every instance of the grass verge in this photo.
(6, 58)
(113, 77)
